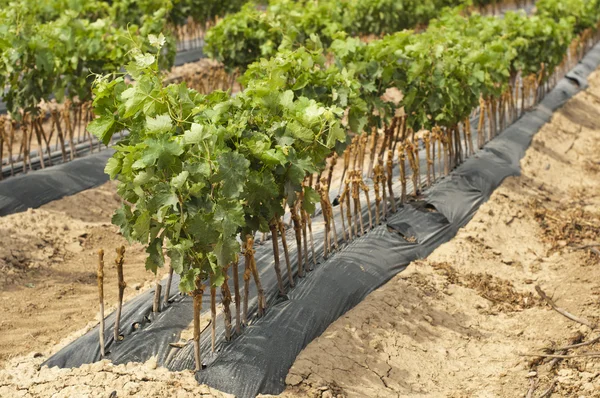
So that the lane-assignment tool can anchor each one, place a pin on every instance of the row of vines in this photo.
(201, 174)
(51, 48)
(242, 38)
(49, 51)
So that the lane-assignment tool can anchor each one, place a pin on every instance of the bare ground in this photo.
(453, 325)
(48, 262)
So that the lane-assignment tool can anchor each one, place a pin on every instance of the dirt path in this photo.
(453, 325)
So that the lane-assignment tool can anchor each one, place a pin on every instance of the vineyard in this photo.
(319, 149)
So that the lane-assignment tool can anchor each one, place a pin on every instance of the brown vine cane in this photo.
(377, 171)
(410, 151)
(458, 145)
(304, 221)
(390, 175)
(246, 276)
(286, 252)
(322, 196)
(310, 234)
(469, 137)
(331, 167)
(347, 157)
(273, 227)
(363, 150)
(400, 128)
(237, 297)
(445, 144)
(383, 189)
(100, 277)
(213, 315)
(262, 302)
(226, 301)
(355, 192)
(373, 149)
(481, 124)
(345, 197)
(298, 232)
(122, 285)
(197, 294)
(365, 189)
(440, 138)
(427, 141)
(341, 202)
(402, 163)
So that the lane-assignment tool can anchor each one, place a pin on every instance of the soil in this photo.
(457, 324)
(48, 262)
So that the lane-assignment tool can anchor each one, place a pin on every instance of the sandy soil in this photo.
(48, 261)
(453, 325)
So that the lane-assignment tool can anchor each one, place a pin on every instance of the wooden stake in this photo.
(100, 276)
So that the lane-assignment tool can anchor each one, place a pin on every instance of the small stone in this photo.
(74, 247)
(152, 363)
(587, 387)
(293, 380)
(532, 374)
(327, 394)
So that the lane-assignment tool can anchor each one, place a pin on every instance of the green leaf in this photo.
(226, 250)
(157, 42)
(102, 128)
(161, 150)
(336, 133)
(113, 167)
(230, 214)
(155, 259)
(159, 124)
(144, 61)
(141, 228)
(204, 231)
(233, 169)
(195, 134)
(300, 132)
(311, 197)
(287, 98)
(121, 219)
(178, 181)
